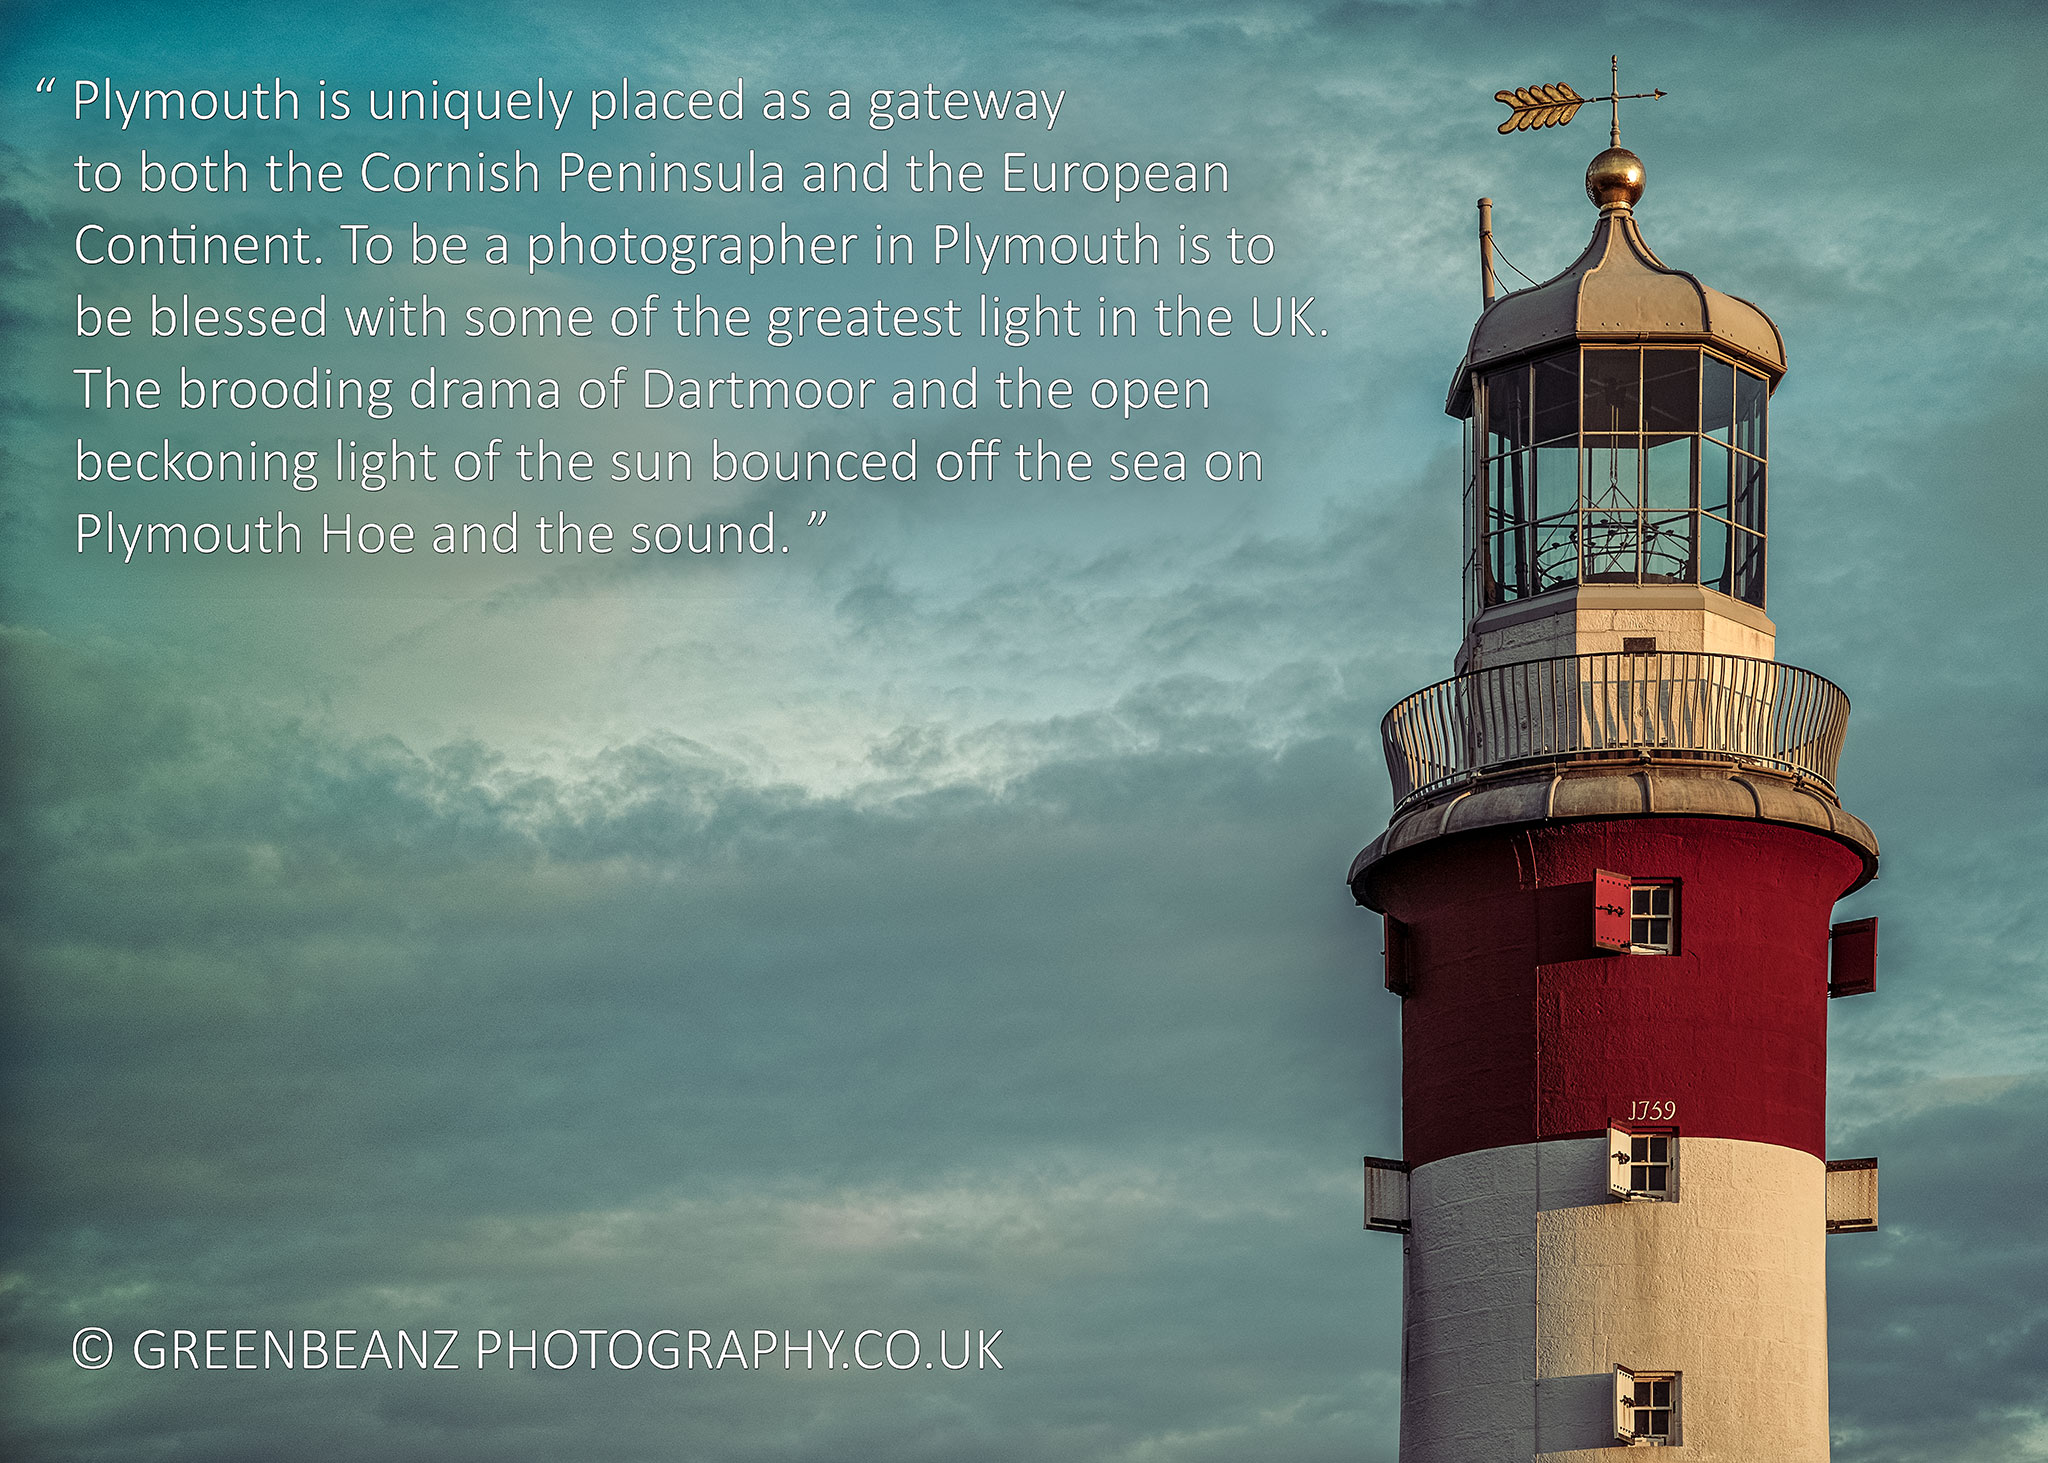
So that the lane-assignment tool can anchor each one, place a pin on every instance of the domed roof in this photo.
(1617, 290)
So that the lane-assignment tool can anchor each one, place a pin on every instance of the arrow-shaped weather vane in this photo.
(1532, 107)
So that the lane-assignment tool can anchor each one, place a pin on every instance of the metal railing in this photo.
(1680, 704)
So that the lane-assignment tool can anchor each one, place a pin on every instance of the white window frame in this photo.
(1642, 896)
(1626, 1381)
(1622, 1162)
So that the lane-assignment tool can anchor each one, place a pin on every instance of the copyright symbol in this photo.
(92, 1348)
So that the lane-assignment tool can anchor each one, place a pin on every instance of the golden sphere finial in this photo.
(1616, 176)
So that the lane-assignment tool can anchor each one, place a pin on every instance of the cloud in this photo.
(370, 1033)
(1939, 1320)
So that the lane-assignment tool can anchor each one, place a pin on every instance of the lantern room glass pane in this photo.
(1613, 391)
(1667, 548)
(1557, 480)
(1612, 475)
(1505, 560)
(1611, 543)
(1557, 554)
(1750, 413)
(1749, 493)
(1713, 477)
(1667, 473)
(1671, 391)
(1507, 410)
(1746, 572)
(1714, 552)
(1557, 397)
(1717, 397)
(1510, 502)
(1474, 596)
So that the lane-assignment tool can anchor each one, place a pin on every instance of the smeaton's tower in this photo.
(1607, 887)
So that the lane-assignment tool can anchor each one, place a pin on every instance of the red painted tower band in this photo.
(1518, 1029)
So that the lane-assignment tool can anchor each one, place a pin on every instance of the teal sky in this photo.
(942, 924)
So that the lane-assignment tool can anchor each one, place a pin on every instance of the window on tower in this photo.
(1642, 1164)
(1635, 916)
(1653, 919)
(1649, 1156)
(1617, 465)
(1646, 1407)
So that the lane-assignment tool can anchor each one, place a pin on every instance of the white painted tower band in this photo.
(1528, 1283)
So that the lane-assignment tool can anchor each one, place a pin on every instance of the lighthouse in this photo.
(1608, 890)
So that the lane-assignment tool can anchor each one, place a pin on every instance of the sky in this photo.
(941, 926)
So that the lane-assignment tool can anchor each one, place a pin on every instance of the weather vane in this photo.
(1614, 179)
(1531, 107)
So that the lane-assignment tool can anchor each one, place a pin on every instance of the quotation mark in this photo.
(817, 517)
(46, 83)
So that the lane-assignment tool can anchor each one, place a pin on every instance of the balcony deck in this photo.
(1675, 706)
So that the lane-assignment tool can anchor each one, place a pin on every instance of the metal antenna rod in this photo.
(1486, 250)
(1614, 101)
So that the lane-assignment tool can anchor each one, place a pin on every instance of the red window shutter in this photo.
(1852, 958)
(1396, 937)
(1610, 910)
